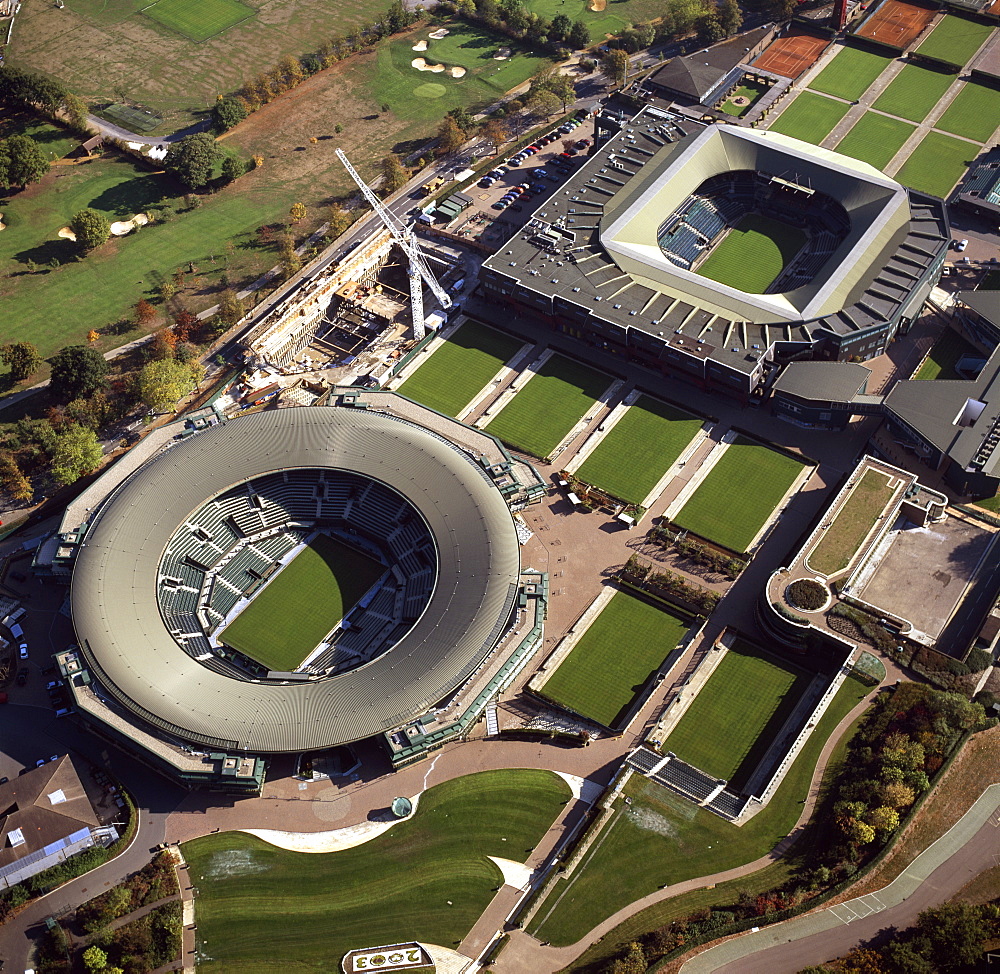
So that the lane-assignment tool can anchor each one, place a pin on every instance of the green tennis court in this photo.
(810, 117)
(955, 40)
(974, 113)
(753, 253)
(199, 20)
(937, 164)
(913, 92)
(875, 139)
(851, 73)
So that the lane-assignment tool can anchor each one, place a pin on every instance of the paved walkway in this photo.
(935, 875)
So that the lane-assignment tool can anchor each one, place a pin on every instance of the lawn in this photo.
(460, 367)
(54, 141)
(851, 73)
(639, 449)
(810, 117)
(875, 139)
(614, 18)
(199, 20)
(748, 90)
(427, 879)
(955, 40)
(307, 598)
(840, 542)
(414, 94)
(942, 358)
(936, 164)
(914, 92)
(661, 839)
(718, 731)
(975, 112)
(753, 253)
(739, 494)
(549, 405)
(615, 658)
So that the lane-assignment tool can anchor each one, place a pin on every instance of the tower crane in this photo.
(404, 236)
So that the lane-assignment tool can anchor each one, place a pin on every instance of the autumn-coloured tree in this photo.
(144, 312)
(450, 137)
(92, 336)
(297, 213)
(184, 324)
(163, 344)
(13, 479)
(231, 307)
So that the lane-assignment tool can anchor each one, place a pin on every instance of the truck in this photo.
(433, 186)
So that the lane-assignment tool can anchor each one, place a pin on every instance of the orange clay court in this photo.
(792, 53)
(897, 23)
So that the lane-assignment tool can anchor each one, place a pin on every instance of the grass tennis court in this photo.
(974, 112)
(851, 73)
(850, 527)
(198, 20)
(943, 357)
(875, 139)
(134, 119)
(810, 117)
(936, 164)
(639, 449)
(914, 92)
(549, 405)
(955, 40)
(450, 379)
(753, 253)
(739, 494)
(258, 902)
(310, 595)
(718, 731)
(614, 658)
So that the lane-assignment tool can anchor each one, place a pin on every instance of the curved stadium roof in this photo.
(124, 639)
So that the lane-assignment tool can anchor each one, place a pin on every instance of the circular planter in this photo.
(807, 595)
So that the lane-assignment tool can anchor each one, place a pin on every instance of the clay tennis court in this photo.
(792, 53)
(897, 23)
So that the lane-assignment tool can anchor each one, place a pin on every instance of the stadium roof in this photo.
(125, 642)
(823, 381)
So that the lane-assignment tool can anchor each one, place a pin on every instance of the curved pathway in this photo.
(525, 955)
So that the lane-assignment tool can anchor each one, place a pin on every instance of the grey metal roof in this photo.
(124, 640)
(822, 381)
(695, 75)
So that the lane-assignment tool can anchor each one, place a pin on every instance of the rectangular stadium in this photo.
(719, 253)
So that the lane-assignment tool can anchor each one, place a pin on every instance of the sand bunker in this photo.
(121, 227)
(421, 65)
(436, 35)
(457, 72)
(597, 5)
(3, 226)
(502, 55)
(420, 46)
(67, 234)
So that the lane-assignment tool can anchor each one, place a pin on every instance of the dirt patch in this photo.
(650, 821)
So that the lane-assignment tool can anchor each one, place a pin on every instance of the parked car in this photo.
(4, 780)
(961, 245)
(22, 651)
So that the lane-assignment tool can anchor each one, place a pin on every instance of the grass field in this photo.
(974, 113)
(549, 405)
(417, 94)
(661, 839)
(639, 449)
(615, 658)
(739, 494)
(449, 380)
(430, 878)
(936, 164)
(719, 731)
(914, 92)
(875, 139)
(54, 141)
(310, 595)
(749, 90)
(199, 20)
(851, 73)
(614, 18)
(955, 40)
(940, 362)
(810, 117)
(841, 541)
(753, 253)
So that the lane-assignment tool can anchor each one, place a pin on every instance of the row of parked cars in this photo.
(559, 166)
(529, 150)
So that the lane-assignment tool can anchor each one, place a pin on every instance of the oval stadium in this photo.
(294, 579)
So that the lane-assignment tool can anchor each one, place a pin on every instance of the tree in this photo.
(12, 478)
(340, 222)
(77, 372)
(898, 795)
(233, 167)
(163, 382)
(559, 28)
(956, 932)
(615, 65)
(77, 452)
(496, 131)
(95, 959)
(91, 227)
(163, 344)
(543, 102)
(858, 831)
(184, 324)
(450, 137)
(227, 112)
(579, 35)
(92, 336)
(231, 307)
(290, 260)
(884, 819)
(710, 28)
(730, 17)
(393, 173)
(193, 158)
(21, 358)
(22, 161)
(297, 213)
(144, 312)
